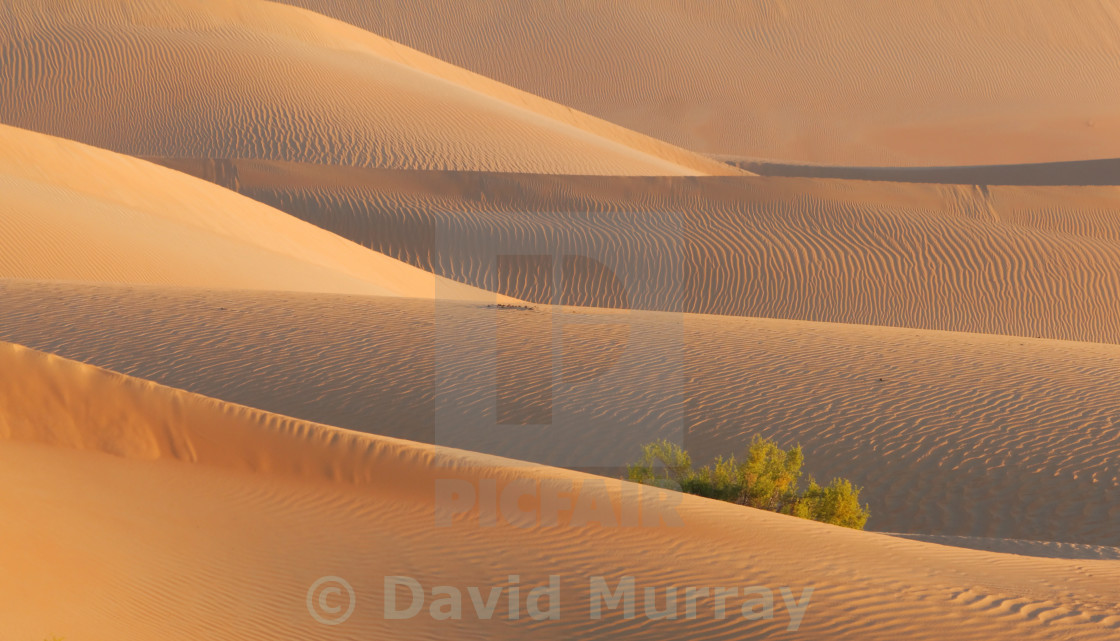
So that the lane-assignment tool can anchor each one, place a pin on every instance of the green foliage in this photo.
(663, 464)
(768, 478)
(837, 503)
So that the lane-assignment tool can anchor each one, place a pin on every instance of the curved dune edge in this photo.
(254, 79)
(1042, 549)
(855, 83)
(948, 433)
(78, 213)
(1105, 171)
(1018, 260)
(62, 403)
(264, 490)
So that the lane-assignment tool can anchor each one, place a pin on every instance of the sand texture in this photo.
(949, 433)
(254, 79)
(75, 213)
(297, 296)
(272, 502)
(1038, 261)
(862, 82)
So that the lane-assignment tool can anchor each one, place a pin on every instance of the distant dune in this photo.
(1075, 172)
(866, 82)
(254, 79)
(76, 213)
(120, 523)
(949, 433)
(1025, 261)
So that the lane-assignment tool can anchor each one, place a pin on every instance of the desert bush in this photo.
(673, 462)
(768, 478)
(837, 503)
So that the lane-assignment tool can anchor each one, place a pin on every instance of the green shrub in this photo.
(675, 465)
(837, 503)
(768, 478)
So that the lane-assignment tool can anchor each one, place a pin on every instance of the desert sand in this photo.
(76, 213)
(865, 82)
(1037, 261)
(273, 503)
(1073, 172)
(296, 299)
(254, 79)
(954, 433)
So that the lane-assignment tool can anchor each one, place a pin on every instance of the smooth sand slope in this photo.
(1027, 261)
(230, 514)
(867, 82)
(950, 434)
(78, 213)
(254, 79)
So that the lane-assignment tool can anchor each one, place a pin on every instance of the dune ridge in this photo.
(865, 585)
(1017, 260)
(1105, 171)
(254, 79)
(951, 434)
(78, 213)
(1042, 549)
(855, 83)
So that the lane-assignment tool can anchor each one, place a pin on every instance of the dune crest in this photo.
(358, 494)
(1105, 171)
(1014, 260)
(76, 213)
(862, 82)
(948, 433)
(254, 79)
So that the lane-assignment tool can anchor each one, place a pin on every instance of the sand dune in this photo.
(855, 83)
(253, 79)
(949, 433)
(1042, 549)
(297, 290)
(1077, 172)
(1026, 261)
(77, 213)
(273, 504)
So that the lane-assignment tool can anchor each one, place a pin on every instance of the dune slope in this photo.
(77, 213)
(276, 504)
(949, 433)
(1027, 261)
(854, 83)
(1075, 172)
(254, 79)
